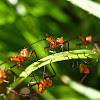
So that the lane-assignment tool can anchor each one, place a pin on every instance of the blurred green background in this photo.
(26, 21)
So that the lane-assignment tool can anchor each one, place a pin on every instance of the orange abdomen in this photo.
(15, 58)
(49, 82)
(50, 39)
(44, 83)
(83, 69)
(41, 86)
(2, 74)
(87, 71)
(18, 58)
(82, 38)
(95, 49)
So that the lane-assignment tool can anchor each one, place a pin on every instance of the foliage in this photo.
(27, 21)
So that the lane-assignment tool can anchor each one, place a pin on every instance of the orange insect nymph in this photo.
(46, 82)
(2, 76)
(83, 69)
(55, 43)
(20, 58)
(42, 84)
(85, 41)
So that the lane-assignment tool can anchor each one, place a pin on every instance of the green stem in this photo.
(75, 54)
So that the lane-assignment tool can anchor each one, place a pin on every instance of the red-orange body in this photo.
(95, 49)
(83, 68)
(86, 40)
(20, 58)
(2, 76)
(44, 83)
(53, 42)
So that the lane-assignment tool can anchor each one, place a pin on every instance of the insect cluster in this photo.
(45, 81)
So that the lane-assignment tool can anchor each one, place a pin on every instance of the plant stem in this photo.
(75, 54)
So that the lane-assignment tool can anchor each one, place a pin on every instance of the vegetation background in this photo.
(26, 21)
